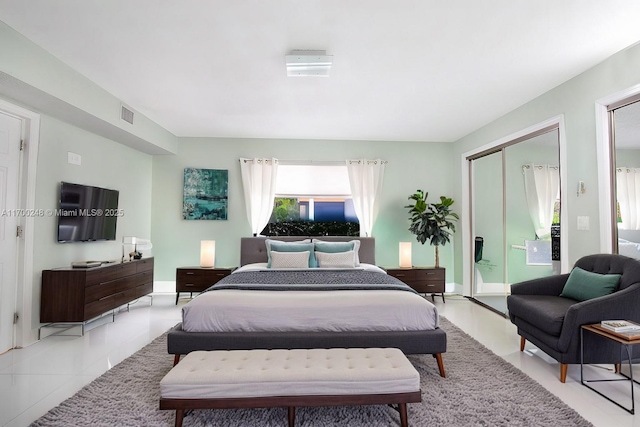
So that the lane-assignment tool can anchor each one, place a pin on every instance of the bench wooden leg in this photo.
(438, 357)
(563, 372)
(292, 416)
(179, 417)
(176, 359)
(522, 343)
(402, 408)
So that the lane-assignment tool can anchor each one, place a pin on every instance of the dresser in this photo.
(424, 280)
(197, 279)
(79, 294)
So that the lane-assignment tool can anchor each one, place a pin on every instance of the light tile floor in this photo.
(37, 378)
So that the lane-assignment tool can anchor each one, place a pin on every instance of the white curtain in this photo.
(259, 183)
(542, 189)
(365, 180)
(628, 195)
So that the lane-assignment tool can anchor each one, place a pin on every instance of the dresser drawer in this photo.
(402, 274)
(101, 290)
(145, 264)
(110, 272)
(196, 280)
(430, 275)
(424, 287)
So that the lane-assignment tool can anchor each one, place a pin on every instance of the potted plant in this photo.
(432, 221)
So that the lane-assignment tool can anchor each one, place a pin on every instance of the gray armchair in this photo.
(552, 322)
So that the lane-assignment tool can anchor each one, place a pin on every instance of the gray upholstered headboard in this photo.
(253, 249)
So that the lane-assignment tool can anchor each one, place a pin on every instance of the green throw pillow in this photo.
(583, 285)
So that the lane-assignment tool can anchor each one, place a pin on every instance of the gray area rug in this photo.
(481, 389)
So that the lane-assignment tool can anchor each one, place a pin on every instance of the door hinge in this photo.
(19, 231)
(22, 145)
(16, 316)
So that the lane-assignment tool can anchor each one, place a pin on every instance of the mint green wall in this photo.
(105, 163)
(575, 100)
(410, 166)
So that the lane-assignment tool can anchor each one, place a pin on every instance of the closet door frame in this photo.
(467, 225)
(606, 167)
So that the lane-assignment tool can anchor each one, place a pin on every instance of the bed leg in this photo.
(176, 359)
(438, 357)
(292, 415)
(179, 417)
(402, 408)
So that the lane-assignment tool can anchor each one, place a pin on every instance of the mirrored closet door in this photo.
(625, 140)
(515, 202)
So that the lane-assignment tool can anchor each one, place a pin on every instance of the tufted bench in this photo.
(225, 379)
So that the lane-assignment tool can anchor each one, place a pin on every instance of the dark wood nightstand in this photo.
(424, 280)
(197, 279)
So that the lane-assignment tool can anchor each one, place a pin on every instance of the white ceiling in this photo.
(411, 70)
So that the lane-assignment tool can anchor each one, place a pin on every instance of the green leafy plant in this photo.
(432, 221)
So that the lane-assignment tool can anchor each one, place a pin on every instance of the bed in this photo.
(266, 308)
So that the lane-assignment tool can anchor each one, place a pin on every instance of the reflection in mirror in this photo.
(533, 207)
(516, 210)
(626, 140)
(489, 268)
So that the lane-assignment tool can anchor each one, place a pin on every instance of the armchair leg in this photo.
(522, 343)
(563, 372)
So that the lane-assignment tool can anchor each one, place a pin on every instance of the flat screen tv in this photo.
(86, 213)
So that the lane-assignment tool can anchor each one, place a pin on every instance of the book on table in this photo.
(621, 326)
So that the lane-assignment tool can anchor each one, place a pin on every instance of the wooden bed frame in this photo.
(253, 250)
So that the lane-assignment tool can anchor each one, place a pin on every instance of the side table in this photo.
(627, 344)
(424, 280)
(197, 279)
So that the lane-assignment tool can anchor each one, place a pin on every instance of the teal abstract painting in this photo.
(205, 194)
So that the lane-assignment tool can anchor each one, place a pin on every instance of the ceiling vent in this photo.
(308, 63)
(126, 114)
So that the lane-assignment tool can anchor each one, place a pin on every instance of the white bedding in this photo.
(332, 311)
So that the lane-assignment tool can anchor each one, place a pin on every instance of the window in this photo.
(313, 199)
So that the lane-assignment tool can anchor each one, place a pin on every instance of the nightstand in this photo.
(197, 279)
(424, 280)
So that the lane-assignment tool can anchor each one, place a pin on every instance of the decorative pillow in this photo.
(280, 246)
(290, 259)
(335, 247)
(583, 285)
(336, 260)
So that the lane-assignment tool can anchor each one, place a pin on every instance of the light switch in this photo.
(74, 158)
(583, 223)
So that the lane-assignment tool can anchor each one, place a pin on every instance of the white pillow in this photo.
(336, 246)
(290, 259)
(336, 260)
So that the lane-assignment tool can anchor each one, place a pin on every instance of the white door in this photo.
(10, 134)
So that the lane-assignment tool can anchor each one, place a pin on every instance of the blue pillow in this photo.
(280, 246)
(337, 247)
(583, 285)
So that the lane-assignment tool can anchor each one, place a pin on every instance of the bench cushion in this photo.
(299, 372)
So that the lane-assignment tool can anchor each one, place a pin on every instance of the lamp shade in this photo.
(207, 253)
(405, 254)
